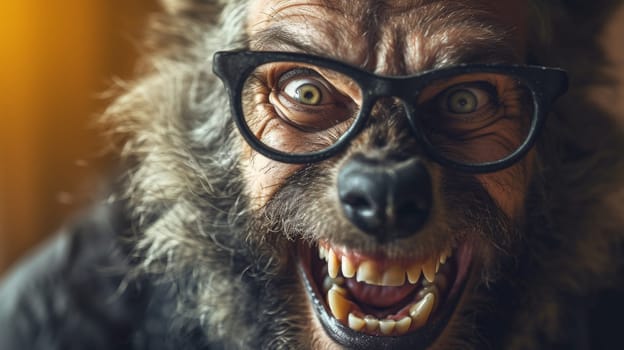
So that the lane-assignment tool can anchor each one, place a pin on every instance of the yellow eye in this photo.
(305, 91)
(308, 94)
(306, 99)
(462, 101)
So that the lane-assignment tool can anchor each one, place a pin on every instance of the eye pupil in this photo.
(308, 94)
(462, 101)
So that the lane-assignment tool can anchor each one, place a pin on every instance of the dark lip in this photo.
(351, 339)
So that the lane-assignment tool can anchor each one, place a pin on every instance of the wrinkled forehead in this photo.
(393, 37)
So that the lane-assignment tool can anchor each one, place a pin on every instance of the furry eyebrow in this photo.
(279, 38)
(476, 52)
(488, 49)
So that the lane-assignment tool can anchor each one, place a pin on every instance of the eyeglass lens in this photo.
(469, 118)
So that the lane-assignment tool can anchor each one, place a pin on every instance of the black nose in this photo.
(385, 198)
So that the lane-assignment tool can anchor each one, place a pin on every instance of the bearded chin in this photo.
(497, 240)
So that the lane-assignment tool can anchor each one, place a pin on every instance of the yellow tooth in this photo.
(333, 265)
(403, 325)
(322, 253)
(367, 272)
(348, 268)
(372, 324)
(430, 289)
(394, 276)
(387, 326)
(356, 323)
(443, 257)
(413, 273)
(420, 311)
(338, 304)
(437, 266)
(429, 270)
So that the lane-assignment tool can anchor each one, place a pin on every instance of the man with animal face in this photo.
(411, 178)
(374, 175)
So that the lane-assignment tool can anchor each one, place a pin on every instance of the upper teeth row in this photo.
(368, 271)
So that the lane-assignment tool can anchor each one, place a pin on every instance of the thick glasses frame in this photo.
(234, 68)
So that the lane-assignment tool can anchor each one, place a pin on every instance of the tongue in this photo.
(378, 296)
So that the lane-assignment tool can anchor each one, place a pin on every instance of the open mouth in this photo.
(371, 302)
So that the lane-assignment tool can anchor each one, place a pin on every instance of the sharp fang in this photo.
(413, 273)
(429, 270)
(403, 325)
(348, 268)
(445, 255)
(356, 323)
(333, 264)
(372, 324)
(387, 326)
(367, 272)
(420, 311)
(394, 276)
(322, 253)
(338, 304)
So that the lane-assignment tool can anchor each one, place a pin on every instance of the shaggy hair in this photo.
(194, 230)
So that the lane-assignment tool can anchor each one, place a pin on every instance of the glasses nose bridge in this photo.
(395, 88)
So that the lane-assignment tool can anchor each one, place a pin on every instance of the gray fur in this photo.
(185, 189)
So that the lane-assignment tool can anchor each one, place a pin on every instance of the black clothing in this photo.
(71, 294)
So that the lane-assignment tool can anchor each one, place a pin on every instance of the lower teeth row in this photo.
(419, 312)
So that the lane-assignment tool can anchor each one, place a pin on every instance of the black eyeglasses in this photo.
(299, 108)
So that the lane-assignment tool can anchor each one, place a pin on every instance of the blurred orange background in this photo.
(55, 58)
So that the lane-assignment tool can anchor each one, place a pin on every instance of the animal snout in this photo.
(385, 198)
